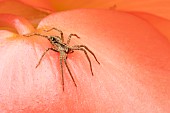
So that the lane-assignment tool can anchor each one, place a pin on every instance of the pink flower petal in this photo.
(20, 24)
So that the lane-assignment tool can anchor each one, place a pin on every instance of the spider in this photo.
(64, 49)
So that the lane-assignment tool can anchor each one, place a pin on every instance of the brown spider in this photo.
(64, 49)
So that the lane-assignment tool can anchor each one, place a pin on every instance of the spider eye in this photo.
(53, 39)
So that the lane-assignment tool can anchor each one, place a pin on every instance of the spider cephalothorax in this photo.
(64, 49)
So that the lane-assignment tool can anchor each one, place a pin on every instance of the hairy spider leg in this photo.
(61, 68)
(62, 37)
(82, 49)
(44, 55)
(89, 51)
(29, 35)
(69, 71)
(63, 57)
(69, 38)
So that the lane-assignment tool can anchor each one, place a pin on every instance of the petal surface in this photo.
(27, 11)
(17, 23)
(161, 24)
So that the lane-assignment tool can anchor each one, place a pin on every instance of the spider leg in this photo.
(35, 34)
(69, 38)
(61, 68)
(82, 49)
(61, 33)
(69, 71)
(44, 55)
(89, 51)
